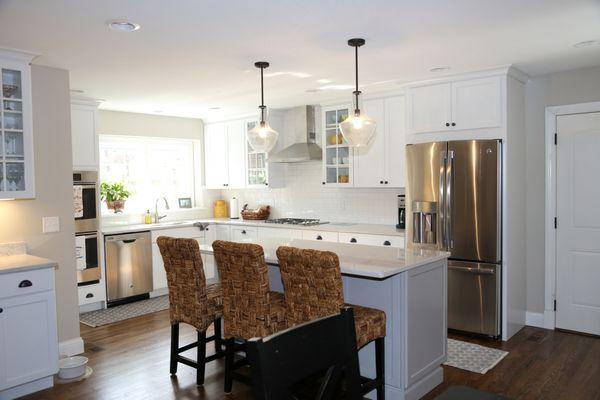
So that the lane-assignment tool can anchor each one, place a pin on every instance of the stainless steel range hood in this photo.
(301, 125)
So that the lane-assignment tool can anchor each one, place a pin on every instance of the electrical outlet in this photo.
(50, 224)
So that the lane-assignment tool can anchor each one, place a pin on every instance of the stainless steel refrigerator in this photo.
(454, 196)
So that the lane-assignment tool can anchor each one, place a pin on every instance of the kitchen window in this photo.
(151, 168)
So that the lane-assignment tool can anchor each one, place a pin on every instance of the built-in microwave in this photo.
(85, 187)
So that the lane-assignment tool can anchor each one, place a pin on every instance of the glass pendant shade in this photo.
(262, 137)
(358, 129)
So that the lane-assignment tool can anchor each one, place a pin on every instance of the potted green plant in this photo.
(114, 194)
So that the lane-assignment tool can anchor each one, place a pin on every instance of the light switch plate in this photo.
(50, 224)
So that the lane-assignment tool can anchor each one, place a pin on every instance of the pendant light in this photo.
(262, 137)
(358, 129)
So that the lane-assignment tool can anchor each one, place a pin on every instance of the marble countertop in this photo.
(355, 259)
(371, 229)
(24, 262)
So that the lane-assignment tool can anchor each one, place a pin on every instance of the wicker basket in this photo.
(260, 214)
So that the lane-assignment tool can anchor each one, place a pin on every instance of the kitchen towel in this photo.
(80, 252)
(78, 201)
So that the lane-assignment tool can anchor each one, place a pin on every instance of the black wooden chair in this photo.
(324, 347)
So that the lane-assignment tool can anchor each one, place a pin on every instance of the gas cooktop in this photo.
(296, 221)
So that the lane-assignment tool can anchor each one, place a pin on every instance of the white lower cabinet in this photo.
(320, 235)
(28, 335)
(282, 233)
(372, 240)
(90, 294)
(243, 234)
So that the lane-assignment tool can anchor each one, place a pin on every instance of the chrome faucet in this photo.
(158, 217)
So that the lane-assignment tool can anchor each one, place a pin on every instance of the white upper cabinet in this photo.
(16, 127)
(84, 139)
(369, 162)
(236, 157)
(395, 143)
(429, 108)
(477, 103)
(382, 164)
(455, 106)
(215, 156)
(338, 157)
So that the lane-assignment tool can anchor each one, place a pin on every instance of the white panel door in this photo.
(477, 103)
(369, 162)
(28, 342)
(236, 157)
(578, 232)
(395, 144)
(215, 156)
(84, 142)
(429, 108)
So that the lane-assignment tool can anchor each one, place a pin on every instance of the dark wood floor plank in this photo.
(131, 361)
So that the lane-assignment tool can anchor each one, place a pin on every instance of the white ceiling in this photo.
(190, 55)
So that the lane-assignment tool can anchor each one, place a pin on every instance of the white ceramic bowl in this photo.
(72, 367)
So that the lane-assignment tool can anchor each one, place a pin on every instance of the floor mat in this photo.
(473, 357)
(125, 311)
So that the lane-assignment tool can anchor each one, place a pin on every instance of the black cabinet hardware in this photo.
(89, 296)
(454, 124)
(319, 237)
(323, 183)
(266, 183)
(1, 309)
(129, 241)
(25, 283)
(387, 243)
(381, 182)
(447, 123)
(243, 232)
(386, 182)
(352, 240)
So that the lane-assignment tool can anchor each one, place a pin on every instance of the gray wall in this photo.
(569, 87)
(134, 124)
(21, 220)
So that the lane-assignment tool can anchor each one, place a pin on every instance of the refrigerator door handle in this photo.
(449, 199)
(441, 208)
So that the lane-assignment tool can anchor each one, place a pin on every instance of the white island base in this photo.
(411, 287)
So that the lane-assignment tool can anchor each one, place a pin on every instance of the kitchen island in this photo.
(410, 286)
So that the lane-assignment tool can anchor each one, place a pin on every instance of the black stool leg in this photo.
(174, 347)
(218, 336)
(201, 358)
(380, 367)
(229, 343)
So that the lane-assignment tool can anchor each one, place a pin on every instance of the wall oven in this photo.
(85, 212)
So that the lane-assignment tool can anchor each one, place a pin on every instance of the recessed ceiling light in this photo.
(312, 90)
(336, 87)
(324, 81)
(440, 68)
(122, 25)
(214, 108)
(587, 43)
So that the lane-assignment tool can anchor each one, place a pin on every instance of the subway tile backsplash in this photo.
(305, 197)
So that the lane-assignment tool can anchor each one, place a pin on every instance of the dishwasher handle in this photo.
(481, 271)
(127, 241)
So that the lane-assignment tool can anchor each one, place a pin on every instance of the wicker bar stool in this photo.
(250, 309)
(191, 301)
(312, 282)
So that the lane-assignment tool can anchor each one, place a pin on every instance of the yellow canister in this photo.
(220, 209)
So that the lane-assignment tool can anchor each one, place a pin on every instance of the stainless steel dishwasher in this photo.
(128, 266)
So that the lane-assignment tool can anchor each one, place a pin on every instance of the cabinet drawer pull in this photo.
(381, 182)
(89, 296)
(454, 124)
(319, 237)
(387, 243)
(447, 123)
(1, 309)
(25, 283)
(353, 240)
(243, 232)
(386, 182)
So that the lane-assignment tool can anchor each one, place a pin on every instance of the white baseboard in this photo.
(70, 347)
(540, 320)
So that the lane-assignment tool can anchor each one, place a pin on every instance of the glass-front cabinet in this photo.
(257, 174)
(16, 145)
(337, 155)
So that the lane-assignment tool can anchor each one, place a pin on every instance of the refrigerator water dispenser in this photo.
(424, 222)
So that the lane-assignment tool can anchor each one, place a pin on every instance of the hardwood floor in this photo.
(131, 361)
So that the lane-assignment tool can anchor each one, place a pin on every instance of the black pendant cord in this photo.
(356, 43)
(262, 65)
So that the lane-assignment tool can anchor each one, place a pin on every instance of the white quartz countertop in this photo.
(355, 259)
(24, 262)
(372, 229)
